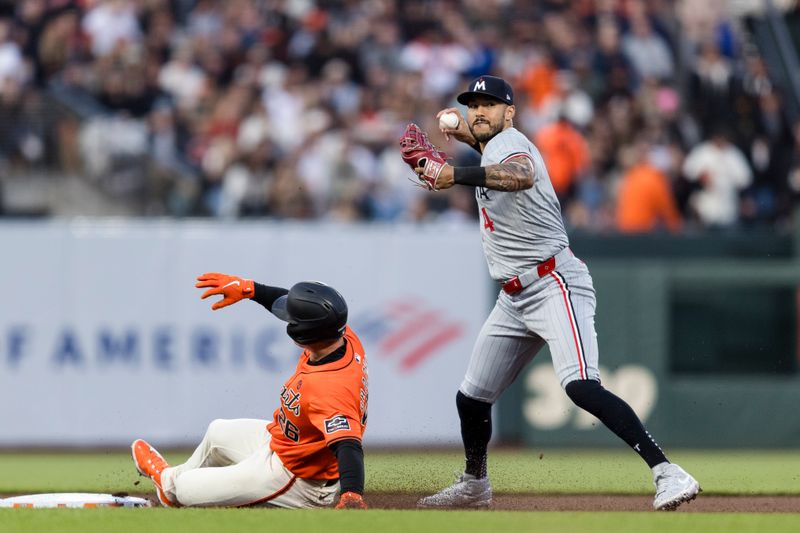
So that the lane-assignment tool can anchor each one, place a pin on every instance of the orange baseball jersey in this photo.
(321, 405)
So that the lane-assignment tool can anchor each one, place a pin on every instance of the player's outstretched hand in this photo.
(351, 500)
(232, 288)
(460, 133)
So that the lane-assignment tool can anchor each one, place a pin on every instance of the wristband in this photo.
(473, 176)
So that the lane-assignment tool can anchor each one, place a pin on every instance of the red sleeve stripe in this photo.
(516, 155)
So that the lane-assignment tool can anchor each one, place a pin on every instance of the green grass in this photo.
(586, 472)
(720, 472)
(217, 520)
(568, 472)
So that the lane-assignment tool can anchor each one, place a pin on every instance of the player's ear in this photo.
(510, 112)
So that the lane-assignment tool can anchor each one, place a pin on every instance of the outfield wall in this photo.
(103, 336)
(707, 352)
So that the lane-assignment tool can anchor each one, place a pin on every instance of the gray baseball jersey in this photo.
(523, 228)
(520, 230)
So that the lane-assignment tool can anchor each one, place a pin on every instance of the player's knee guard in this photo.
(584, 393)
(470, 408)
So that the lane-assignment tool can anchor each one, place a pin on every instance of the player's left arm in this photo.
(335, 412)
(516, 174)
(272, 298)
(350, 457)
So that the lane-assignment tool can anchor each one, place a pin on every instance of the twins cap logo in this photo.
(480, 85)
(337, 423)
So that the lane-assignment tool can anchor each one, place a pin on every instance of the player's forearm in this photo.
(350, 456)
(511, 176)
(266, 295)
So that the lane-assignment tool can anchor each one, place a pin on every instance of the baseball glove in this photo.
(418, 152)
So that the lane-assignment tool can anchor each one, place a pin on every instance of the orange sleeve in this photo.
(335, 412)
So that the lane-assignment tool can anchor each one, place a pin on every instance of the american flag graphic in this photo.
(408, 331)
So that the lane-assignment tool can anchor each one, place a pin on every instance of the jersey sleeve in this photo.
(335, 413)
(505, 147)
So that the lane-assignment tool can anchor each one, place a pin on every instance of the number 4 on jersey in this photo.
(487, 222)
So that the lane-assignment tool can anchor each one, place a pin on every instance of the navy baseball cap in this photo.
(488, 86)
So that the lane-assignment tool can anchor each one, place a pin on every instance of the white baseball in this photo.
(448, 121)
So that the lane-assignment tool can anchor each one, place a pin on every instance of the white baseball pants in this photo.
(556, 309)
(234, 466)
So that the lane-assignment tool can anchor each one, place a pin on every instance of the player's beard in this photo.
(485, 135)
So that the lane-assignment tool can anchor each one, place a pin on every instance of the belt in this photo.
(517, 283)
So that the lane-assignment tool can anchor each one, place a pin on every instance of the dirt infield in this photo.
(536, 502)
(593, 502)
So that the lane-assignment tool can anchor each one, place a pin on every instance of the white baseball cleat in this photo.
(673, 487)
(467, 491)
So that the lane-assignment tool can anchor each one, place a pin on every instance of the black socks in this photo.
(616, 414)
(589, 395)
(476, 431)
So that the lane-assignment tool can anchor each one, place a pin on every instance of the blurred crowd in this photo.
(656, 115)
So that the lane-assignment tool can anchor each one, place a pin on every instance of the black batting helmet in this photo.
(316, 312)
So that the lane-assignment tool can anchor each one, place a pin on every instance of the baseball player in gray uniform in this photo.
(547, 297)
